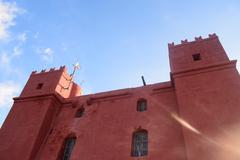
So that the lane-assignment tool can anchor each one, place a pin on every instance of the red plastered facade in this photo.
(203, 94)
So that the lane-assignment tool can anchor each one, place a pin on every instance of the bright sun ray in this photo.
(184, 123)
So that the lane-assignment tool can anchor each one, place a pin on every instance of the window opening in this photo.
(141, 105)
(68, 147)
(196, 57)
(39, 86)
(80, 112)
(140, 143)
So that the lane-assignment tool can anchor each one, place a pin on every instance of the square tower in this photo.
(207, 87)
(33, 113)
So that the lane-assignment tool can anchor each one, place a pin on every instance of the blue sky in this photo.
(115, 41)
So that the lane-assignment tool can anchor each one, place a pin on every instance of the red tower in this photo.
(33, 113)
(208, 89)
(192, 117)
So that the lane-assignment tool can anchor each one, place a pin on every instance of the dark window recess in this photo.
(140, 143)
(196, 57)
(69, 144)
(141, 105)
(39, 86)
(80, 112)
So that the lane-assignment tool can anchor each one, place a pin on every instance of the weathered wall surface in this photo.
(105, 130)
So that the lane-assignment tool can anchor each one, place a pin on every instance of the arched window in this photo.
(67, 148)
(141, 105)
(79, 112)
(140, 143)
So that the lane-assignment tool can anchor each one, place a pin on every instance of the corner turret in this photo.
(33, 113)
(54, 81)
(207, 86)
(202, 52)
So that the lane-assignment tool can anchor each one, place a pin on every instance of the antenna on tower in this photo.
(75, 68)
(143, 80)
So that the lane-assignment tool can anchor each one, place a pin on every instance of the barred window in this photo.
(140, 143)
(141, 105)
(68, 147)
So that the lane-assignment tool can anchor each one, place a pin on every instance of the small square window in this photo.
(196, 57)
(39, 86)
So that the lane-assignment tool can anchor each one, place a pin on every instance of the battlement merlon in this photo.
(197, 39)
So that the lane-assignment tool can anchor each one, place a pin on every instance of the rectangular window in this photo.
(196, 57)
(141, 105)
(39, 86)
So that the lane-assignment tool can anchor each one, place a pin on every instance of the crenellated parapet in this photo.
(61, 68)
(196, 39)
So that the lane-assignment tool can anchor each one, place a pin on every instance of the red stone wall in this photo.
(26, 127)
(105, 130)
